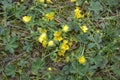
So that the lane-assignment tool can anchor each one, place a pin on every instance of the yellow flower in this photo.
(42, 37)
(84, 28)
(57, 36)
(50, 16)
(73, 0)
(44, 43)
(42, 30)
(65, 41)
(21, 0)
(41, 1)
(49, 1)
(65, 28)
(51, 43)
(18, 3)
(26, 19)
(49, 68)
(77, 13)
(57, 33)
(61, 52)
(64, 47)
(82, 60)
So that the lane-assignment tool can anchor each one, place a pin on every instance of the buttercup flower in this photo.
(65, 41)
(42, 30)
(49, 1)
(21, 0)
(61, 52)
(42, 37)
(82, 60)
(57, 36)
(65, 28)
(50, 16)
(26, 19)
(84, 28)
(49, 68)
(64, 47)
(77, 13)
(73, 0)
(44, 43)
(41, 1)
(51, 43)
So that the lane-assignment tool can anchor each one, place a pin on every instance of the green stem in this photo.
(83, 50)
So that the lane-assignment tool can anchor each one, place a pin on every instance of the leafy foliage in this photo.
(59, 40)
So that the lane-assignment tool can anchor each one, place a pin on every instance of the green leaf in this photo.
(10, 44)
(10, 70)
(112, 3)
(18, 11)
(100, 61)
(24, 76)
(98, 78)
(91, 45)
(22, 63)
(36, 65)
(53, 56)
(28, 46)
(7, 4)
(115, 69)
(95, 6)
(98, 38)
(78, 68)
(91, 38)
(66, 69)
(10, 47)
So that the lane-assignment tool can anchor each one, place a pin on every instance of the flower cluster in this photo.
(77, 13)
(63, 48)
(64, 45)
(43, 37)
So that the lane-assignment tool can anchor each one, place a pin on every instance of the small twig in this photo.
(111, 17)
(10, 60)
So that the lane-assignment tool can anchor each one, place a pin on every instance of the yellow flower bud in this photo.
(41, 1)
(84, 28)
(49, 1)
(65, 28)
(51, 43)
(72, 0)
(49, 69)
(44, 43)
